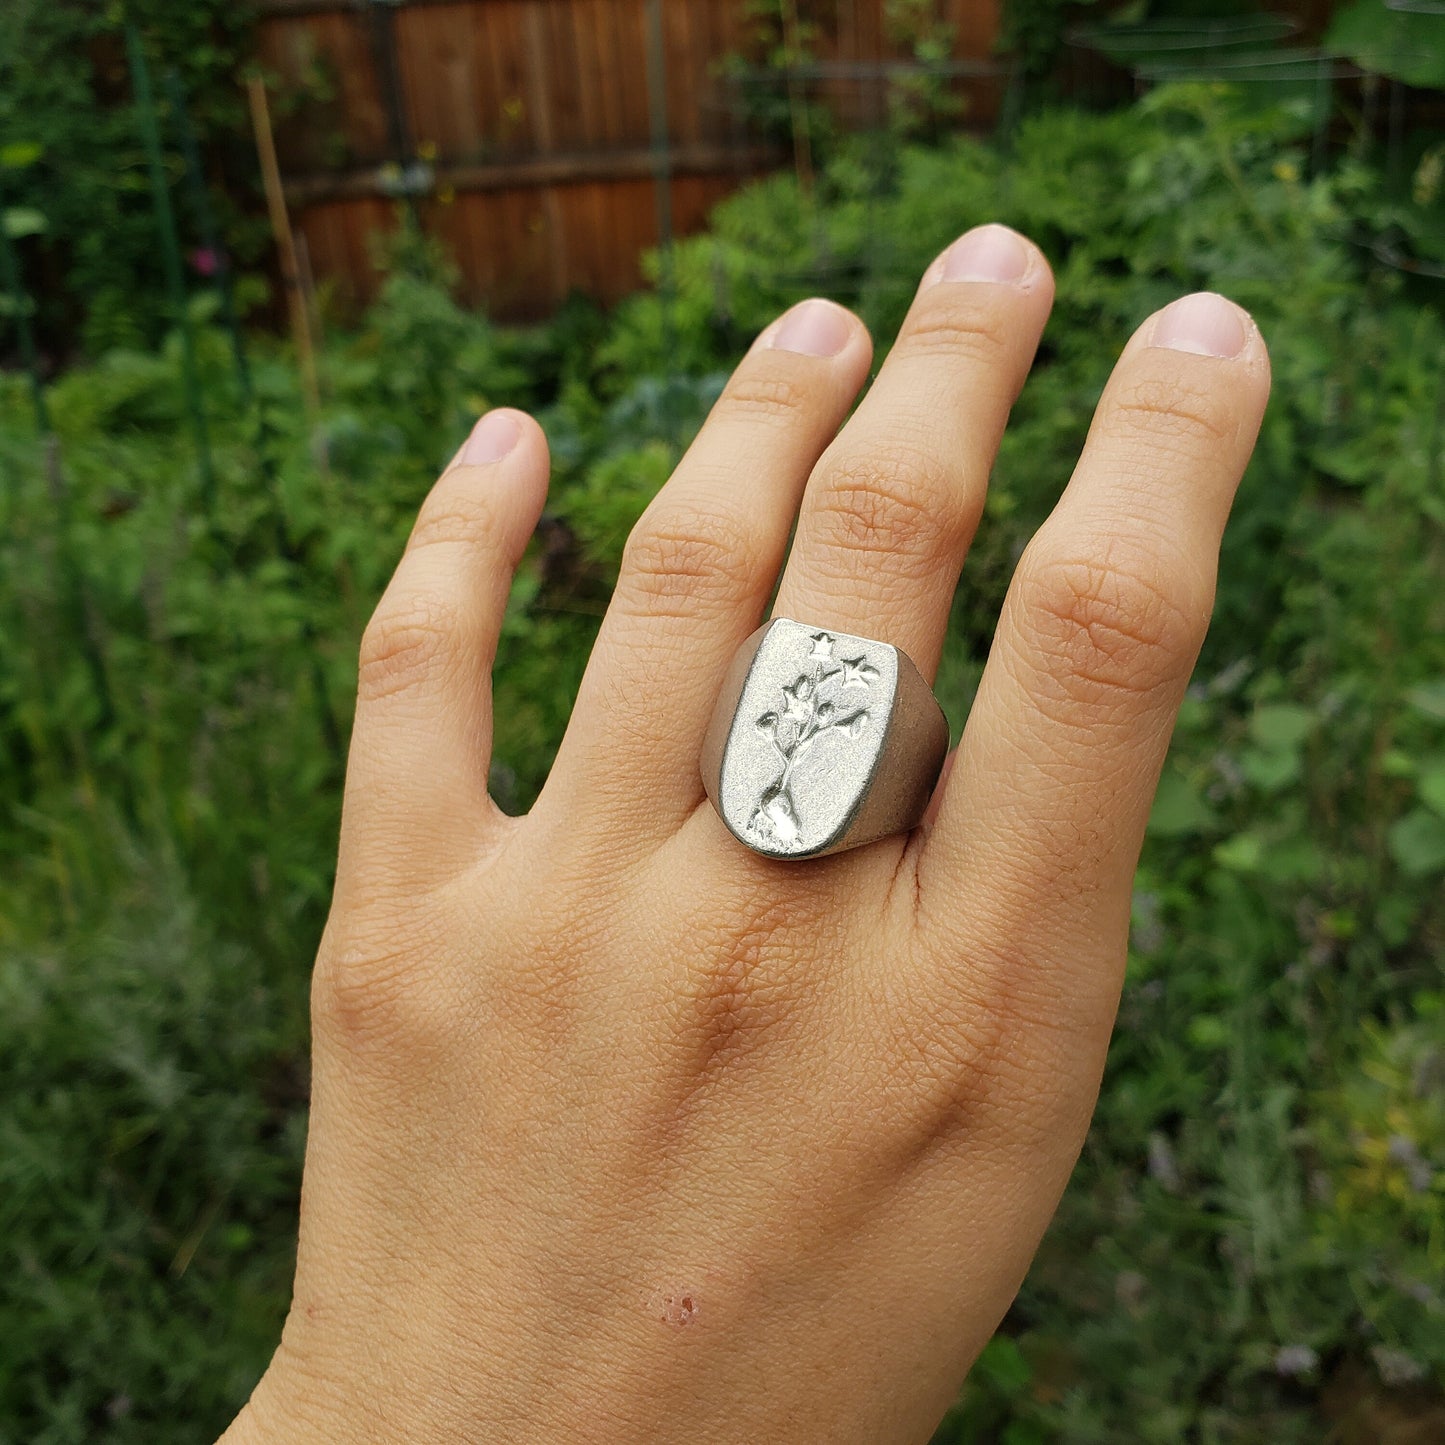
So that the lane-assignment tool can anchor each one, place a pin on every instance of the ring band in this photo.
(821, 741)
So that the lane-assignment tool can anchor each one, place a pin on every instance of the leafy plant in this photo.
(67, 108)
(1402, 41)
(920, 103)
(781, 41)
(1251, 1247)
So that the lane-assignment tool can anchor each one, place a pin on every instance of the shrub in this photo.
(1251, 1248)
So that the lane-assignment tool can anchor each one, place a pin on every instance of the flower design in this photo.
(795, 700)
(805, 716)
(858, 671)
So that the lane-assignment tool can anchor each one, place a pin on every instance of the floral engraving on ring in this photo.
(815, 705)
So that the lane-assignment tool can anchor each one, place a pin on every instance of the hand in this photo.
(623, 1133)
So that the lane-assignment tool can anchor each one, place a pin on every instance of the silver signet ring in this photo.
(821, 741)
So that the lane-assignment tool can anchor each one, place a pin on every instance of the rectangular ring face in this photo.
(806, 737)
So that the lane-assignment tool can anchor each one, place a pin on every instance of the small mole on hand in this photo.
(678, 1309)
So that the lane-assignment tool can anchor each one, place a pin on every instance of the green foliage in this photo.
(1032, 31)
(780, 37)
(1251, 1249)
(776, 88)
(141, 1186)
(1401, 41)
(72, 157)
(919, 104)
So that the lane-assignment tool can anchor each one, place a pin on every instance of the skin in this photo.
(623, 1133)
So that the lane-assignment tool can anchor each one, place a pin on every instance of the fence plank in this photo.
(533, 118)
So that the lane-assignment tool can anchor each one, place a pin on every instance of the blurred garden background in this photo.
(262, 262)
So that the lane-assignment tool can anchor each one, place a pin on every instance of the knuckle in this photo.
(706, 557)
(372, 993)
(901, 503)
(960, 327)
(752, 394)
(1111, 623)
(451, 518)
(1172, 410)
(407, 640)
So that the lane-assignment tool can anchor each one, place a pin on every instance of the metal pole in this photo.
(657, 118)
(170, 254)
(20, 306)
(1395, 133)
(797, 100)
(1323, 105)
(381, 17)
(661, 164)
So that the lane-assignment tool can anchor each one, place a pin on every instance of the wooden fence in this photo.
(547, 143)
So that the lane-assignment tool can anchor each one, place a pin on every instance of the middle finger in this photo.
(889, 511)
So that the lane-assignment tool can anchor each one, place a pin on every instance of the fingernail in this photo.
(1204, 323)
(987, 253)
(491, 439)
(813, 328)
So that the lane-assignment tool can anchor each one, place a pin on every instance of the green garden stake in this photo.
(1011, 109)
(1323, 109)
(205, 220)
(171, 256)
(20, 308)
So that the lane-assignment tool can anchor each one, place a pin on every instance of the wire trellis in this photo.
(870, 88)
(1260, 51)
